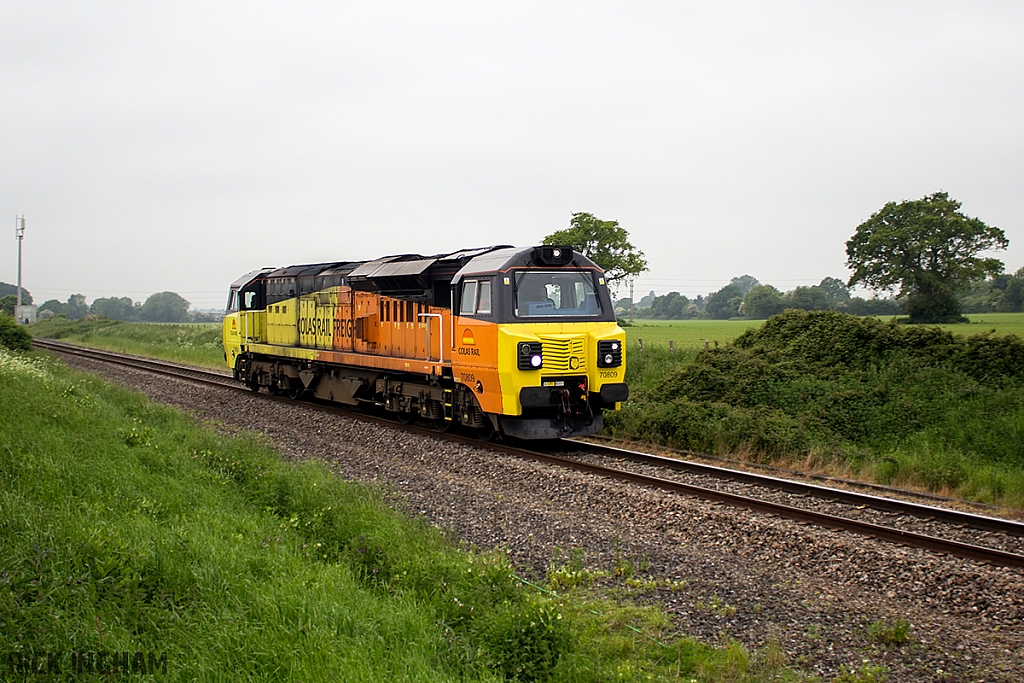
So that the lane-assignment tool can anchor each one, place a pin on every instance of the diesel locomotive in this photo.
(501, 340)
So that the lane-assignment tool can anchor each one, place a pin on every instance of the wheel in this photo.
(254, 387)
(442, 425)
(404, 418)
(294, 391)
(487, 432)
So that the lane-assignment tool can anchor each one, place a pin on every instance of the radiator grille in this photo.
(564, 354)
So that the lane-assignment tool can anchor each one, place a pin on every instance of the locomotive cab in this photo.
(556, 353)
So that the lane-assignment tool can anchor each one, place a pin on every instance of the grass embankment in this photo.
(193, 343)
(900, 404)
(124, 528)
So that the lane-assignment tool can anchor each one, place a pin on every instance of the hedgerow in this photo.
(844, 388)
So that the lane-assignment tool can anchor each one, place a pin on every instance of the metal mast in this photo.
(19, 232)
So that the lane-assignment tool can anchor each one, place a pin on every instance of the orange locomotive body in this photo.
(501, 340)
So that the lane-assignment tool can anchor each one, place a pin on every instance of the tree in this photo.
(761, 302)
(7, 304)
(115, 308)
(672, 306)
(1004, 293)
(744, 282)
(808, 299)
(603, 242)
(6, 289)
(76, 308)
(928, 249)
(835, 289)
(1013, 295)
(54, 306)
(164, 307)
(725, 303)
(874, 306)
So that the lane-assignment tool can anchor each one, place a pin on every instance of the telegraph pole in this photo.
(19, 232)
(631, 299)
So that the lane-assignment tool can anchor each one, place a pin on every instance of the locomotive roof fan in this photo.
(553, 255)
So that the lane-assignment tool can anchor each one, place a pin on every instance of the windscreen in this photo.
(546, 294)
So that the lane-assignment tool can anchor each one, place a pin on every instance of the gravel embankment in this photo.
(748, 576)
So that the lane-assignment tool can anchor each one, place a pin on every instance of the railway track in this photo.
(932, 528)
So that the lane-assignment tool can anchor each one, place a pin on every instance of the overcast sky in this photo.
(175, 146)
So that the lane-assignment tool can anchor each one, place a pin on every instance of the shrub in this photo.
(13, 336)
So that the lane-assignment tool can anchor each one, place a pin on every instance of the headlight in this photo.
(609, 353)
(531, 356)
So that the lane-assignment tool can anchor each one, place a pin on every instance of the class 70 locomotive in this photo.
(501, 340)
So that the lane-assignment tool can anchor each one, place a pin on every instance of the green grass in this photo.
(190, 343)
(125, 528)
(999, 323)
(687, 334)
(691, 334)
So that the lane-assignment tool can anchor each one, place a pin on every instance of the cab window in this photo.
(476, 298)
(556, 294)
(468, 306)
(483, 301)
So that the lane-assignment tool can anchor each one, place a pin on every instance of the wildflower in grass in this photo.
(26, 366)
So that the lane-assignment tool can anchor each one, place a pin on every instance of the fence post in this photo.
(671, 347)
(640, 343)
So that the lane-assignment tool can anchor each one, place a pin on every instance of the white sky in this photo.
(175, 146)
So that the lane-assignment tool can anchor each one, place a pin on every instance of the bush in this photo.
(13, 336)
(825, 384)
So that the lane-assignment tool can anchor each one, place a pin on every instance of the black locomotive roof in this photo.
(504, 259)
(386, 267)
(415, 272)
(249, 277)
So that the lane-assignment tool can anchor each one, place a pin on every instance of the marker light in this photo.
(531, 356)
(609, 353)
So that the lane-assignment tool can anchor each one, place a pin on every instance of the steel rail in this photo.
(975, 521)
(784, 472)
(898, 536)
(158, 367)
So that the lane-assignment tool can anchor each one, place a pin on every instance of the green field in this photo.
(691, 334)
(1000, 323)
(127, 528)
(687, 334)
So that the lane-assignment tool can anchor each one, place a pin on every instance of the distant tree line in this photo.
(746, 297)
(9, 297)
(1001, 293)
(162, 307)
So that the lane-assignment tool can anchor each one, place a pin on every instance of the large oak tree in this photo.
(605, 243)
(928, 249)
